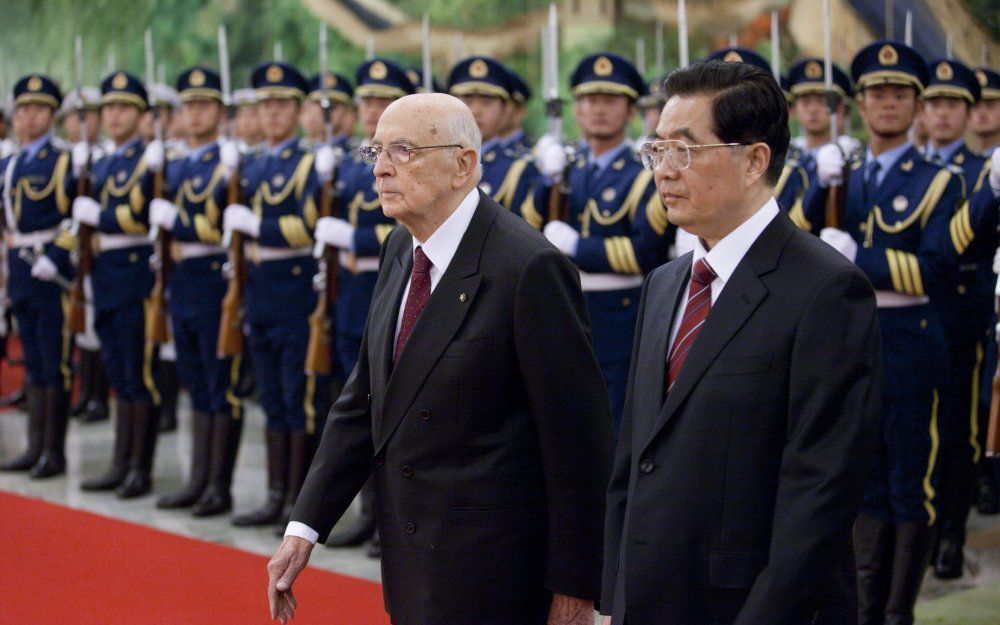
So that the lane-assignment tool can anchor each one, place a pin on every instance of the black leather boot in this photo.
(53, 459)
(360, 528)
(114, 476)
(85, 372)
(277, 485)
(300, 457)
(911, 555)
(201, 449)
(139, 480)
(217, 498)
(988, 490)
(35, 405)
(873, 545)
(97, 406)
(168, 386)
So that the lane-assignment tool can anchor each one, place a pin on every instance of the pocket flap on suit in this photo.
(729, 569)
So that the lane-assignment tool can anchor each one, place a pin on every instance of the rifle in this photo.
(156, 315)
(76, 317)
(230, 342)
(319, 352)
(836, 195)
(559, 193)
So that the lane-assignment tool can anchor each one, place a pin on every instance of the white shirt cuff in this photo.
(301, 530)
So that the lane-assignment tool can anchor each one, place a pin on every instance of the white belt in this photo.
(106, 242)
(18, 240)
(608, 281)
(892, 299)
(358, 264)
(262, 253)
(187, 249)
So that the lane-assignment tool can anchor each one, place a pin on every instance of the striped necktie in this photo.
(699, 303)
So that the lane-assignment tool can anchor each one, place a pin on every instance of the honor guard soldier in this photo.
(341, 95)
(965, 307)
(197, 182)
(279, 294)
(985, 120)
(37, 191)
(247, 125)
(811, 108)
(616, 229)
(485, 86)
(359, 236)
(92, 397)
(651, 105)
(896, 230)
(514, 135)
(121, 280)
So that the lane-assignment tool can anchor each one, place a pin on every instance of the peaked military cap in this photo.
(381, 78)
(338, 88)
(655, 97)
(606, 72)
(736, 54)
(199, 83)
(124, 88)
(809, 75)
(37, 89)
(952, 79)
(520, 90)
(163, 96)
(277, 79)
(244, 97)
(480, 75)
(989, 83)
(889, 63)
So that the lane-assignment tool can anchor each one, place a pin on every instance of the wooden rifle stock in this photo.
(230, 343)
(156, 316)
(836, 202)
(559, 198)
(76, 317)
(319, 351)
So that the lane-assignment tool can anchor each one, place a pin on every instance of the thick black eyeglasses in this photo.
(399, 153)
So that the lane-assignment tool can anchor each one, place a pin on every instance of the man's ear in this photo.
(758, 161)
(466, 162)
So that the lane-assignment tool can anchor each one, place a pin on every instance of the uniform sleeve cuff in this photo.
(301, 530)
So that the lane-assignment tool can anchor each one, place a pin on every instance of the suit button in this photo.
(379, 461)
(646, 466)
(425, 414)
(411, 528)
(407, 471)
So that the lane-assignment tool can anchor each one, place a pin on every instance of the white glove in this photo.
(7, 148)
(335, 233)
(563, 236)
(44, 269)
(229, 156)
(848, 144)
(326, 160)
(162, 213)
(829, 165)
(840, 241)
(550, 157)
(995, 172)
(155, 156)
(80, 157)
(240, 218)
(86, 211)
(996, 262)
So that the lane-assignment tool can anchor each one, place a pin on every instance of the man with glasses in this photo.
(615, 227)
(476, 405)
(753, 390)
(283, 191)
(358, 233)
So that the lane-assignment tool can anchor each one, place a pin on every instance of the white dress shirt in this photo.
(440, 249)
(725, 256)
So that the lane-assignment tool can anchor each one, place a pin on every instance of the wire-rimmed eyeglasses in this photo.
(399, 153)
(676, 152)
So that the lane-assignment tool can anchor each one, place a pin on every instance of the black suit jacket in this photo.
(490, 441)
(732, 500)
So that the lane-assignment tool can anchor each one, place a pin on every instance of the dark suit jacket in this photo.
(490, 441)
(732, 501)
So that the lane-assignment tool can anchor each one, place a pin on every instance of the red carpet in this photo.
(61, 566)
(11, 376)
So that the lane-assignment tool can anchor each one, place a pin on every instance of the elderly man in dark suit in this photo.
(752, 406)
(477, 403)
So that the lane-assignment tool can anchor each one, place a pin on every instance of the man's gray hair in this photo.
(463, 129)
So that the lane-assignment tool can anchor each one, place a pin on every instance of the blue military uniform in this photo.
(898, 211)
(121, 279)
(965, 308)
(623, 227)
(198, 183)
(518, 140)
(508, 171)
(37, 188)
(340, 92)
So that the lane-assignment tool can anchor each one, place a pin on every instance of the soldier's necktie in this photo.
(416, 298)
(871, 181)
(699, 303)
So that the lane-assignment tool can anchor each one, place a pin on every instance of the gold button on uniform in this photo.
(961, 289)
(923, 324)
(296, 271)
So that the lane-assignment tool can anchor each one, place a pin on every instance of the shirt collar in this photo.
(947, 152)
(513, 137)
(32, 149)
(120, 150)
(605, 159)
(888, 158)
(441, 246)
(727, 253)
(489, 145)
(196, 153)
(278, 149)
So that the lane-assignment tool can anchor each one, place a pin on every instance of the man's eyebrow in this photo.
(683, 132)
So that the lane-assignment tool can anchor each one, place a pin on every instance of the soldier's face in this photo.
(945, 119)
(603, 116)
(650, 118)
(33, 120)
(370, 110)
(311, 119)
(888, 110)
(279, 116)
(986, 117)
(120, 120)
(491, 114)
(248, 124)
(201, 117)
(812, 112)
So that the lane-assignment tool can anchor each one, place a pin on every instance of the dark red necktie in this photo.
(416, 298)
(699, 303)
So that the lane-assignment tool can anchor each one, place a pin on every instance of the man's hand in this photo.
(840, 241)
(606, 620)
(563, 236)
(162, 213)
(156, 156)
(829, 165)
(240, 218)
(86, 211)
(995, 172)
(335, 233)
(567, 610)
(291, 557)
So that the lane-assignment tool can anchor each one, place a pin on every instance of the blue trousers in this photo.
(46, 348)
(613, 315)
(290, 398)
(129, 361)
(210, 381)
(353, 304)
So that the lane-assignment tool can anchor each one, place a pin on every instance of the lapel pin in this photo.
(463, 298)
